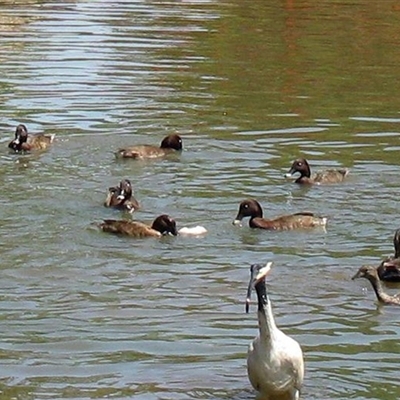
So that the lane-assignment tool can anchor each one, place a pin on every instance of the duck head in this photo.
(300, 165)
(21, 136)
(172, 142)
(165, 225)
(258, 272)
(125, 190)
(367, 272)
(248, 208)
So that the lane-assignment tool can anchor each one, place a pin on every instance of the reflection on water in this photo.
(86, 314)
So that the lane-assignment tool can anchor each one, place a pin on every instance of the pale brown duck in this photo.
(370, 273)
(323, 177)
(302, 220)
(24, 142)
(162, 225)
(121, 197)
(170, 144)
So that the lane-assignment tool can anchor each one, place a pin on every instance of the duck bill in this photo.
(249, 290)
(121, 196)
(238, 220)
(173, 231)
(356, 276)
(290, 173)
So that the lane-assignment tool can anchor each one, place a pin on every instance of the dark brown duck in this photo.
(302, 220)
(389, 269)
(323, 177)
(121, 197)
(24, 142)
(162, 225)
(370, 273)
(170, 144)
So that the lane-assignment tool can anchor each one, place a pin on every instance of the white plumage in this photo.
(274, 361)
(193, 231)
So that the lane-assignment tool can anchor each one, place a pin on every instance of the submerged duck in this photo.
(162, 225)
(275, 363)
(252, 208)
(169, 145)
(389, 269)
(27, 142)
(370, 273)
(329, 176)
(121, 197)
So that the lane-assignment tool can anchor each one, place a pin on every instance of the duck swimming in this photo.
(252, 208)
(121, 197)
(329, 176)
(275, 363)
(162, 225)
(170, 144)
(24, 142)
(370, 273)
(389, 269)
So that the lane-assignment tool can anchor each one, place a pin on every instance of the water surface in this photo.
(249, 88)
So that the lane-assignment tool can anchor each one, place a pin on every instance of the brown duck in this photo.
(329, 176)
(389, 269)
(370, 273)
(252, 208)
(162, 225)
(24, 142)
(121, 197)
(170, 144)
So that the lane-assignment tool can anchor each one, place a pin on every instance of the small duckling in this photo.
(329, 176)
(24, 142)
(170, 144)
(252, 208)
(121, 197)
(389, 269)
(275, 362)
(162, 225)
(371, 274)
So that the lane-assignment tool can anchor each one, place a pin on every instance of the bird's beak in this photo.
(121, 196)
(249, 290)
(357, 275)
(262, 273)
(290, 173)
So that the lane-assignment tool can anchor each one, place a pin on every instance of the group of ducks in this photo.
(275, 361)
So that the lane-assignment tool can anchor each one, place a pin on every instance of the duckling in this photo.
(252, 208)
(170, 144)
(121, 197)
(370, 273)
(24, 142)
(389, 269)
(162, 225)
(329, 176)
(275, 363)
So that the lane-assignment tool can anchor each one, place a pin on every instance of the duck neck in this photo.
(257, 212)
(377, 286)
(266, 319)
(396, 242)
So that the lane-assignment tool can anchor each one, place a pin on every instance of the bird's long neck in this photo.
(377, 286)
(396, 243)
(266, 319)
